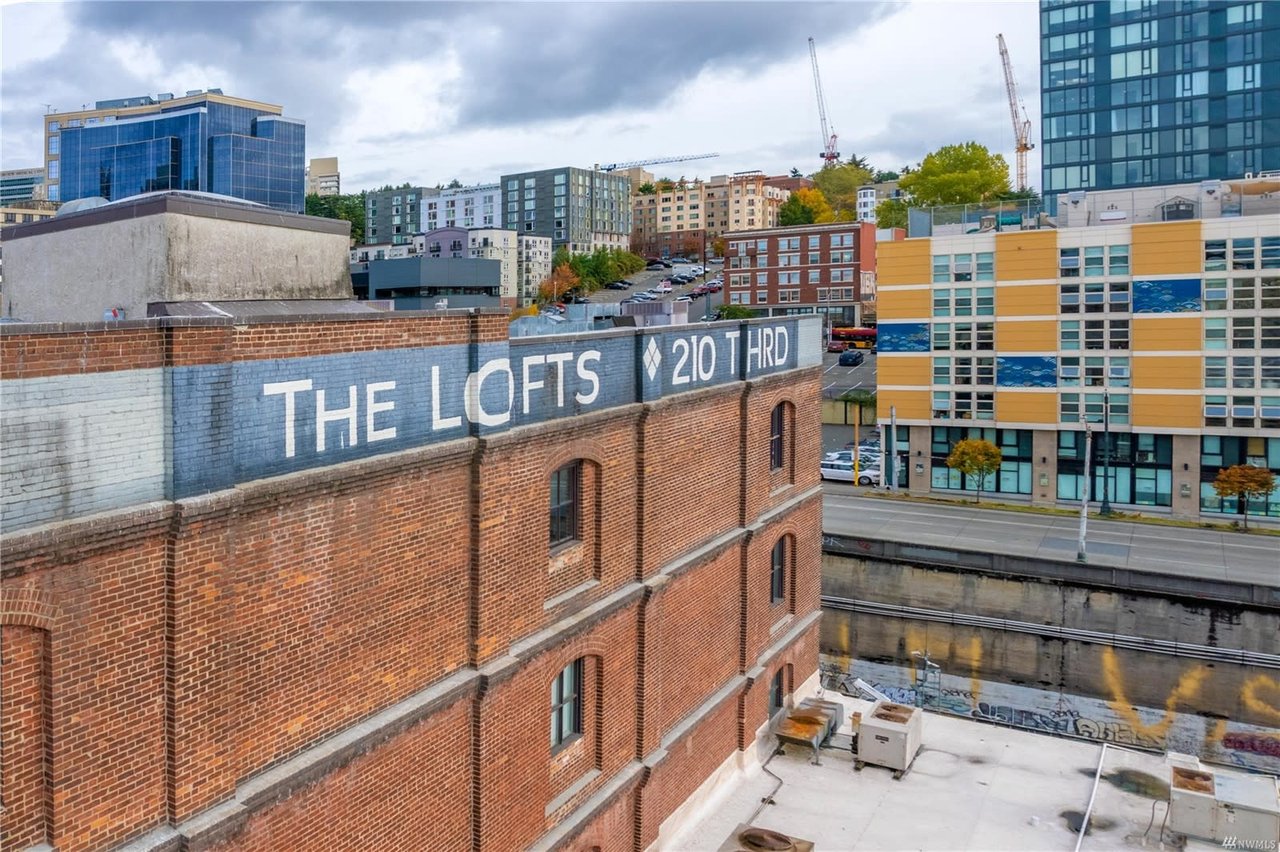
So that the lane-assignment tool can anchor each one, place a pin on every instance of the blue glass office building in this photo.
(1147, 92)
(206, 146)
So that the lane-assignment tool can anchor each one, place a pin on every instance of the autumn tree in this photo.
(977, 458)
(736, 312)
(719, 246)
(967, 173)
(1244, 482)
(560, 281)
(839, 186)
(805, 207)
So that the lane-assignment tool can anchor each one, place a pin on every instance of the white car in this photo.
(865, 459)
(841, 470)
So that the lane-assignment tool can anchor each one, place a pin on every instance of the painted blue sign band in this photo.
(245, 420)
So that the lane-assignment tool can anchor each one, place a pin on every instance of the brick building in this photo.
(677, 219)
(397, 580)
(801, 269)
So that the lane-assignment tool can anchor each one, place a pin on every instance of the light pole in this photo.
(1106, 453)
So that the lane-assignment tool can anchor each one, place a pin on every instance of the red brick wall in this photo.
(191, 646)
(22, 736)
(413, 792)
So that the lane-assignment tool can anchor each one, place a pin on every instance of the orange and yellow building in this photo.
(1152, 315)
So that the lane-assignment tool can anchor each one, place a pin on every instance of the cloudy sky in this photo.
(430, 91)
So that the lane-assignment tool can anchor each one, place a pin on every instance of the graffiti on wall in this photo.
(1115, 720)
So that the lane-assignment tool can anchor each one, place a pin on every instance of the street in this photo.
(836, 380)
(1186, 551)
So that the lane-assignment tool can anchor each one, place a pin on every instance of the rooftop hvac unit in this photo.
(890, 736)
(1218, 807)
(746, 838)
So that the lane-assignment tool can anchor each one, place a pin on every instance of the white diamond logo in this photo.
(652, 358)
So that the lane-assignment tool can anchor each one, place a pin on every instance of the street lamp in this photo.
(1106, 453)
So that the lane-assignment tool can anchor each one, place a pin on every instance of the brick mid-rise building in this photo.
(801, 269)
(396, 580)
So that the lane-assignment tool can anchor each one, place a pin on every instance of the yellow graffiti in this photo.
(1250, 698)
(1189, 684)
(975, 669)
(1217, 732)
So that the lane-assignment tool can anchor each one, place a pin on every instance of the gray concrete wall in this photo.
(1242, 693)
(74, 275)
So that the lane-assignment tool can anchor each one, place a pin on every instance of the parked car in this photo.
(683, 299)
(715, 286)
(869, 476)
(837, 346)
(865, 459)
(655, 267)
(839, 470)
(664, 287)
(681, 279)
(851, 358)
(626, 283)
(678, 260)
(616, 285)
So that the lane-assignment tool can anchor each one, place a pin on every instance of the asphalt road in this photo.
(1183, 551)
(836, 379)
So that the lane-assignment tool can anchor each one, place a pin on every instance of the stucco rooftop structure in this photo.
(112, 260)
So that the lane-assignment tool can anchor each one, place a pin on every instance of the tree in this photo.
(975, 457)
(861, 397)
(795, 172)
(454, 184)
(347, 207)
(666, 184)
(891, 213)
(1244, 482)
(736, 312)
(958, 174)
(719, 246)
(858, 162)
(647, 188)
(805, 207)
(554, 286)
(839, 186)
(885, 177)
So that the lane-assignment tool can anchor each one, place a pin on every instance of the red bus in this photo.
(857, 338)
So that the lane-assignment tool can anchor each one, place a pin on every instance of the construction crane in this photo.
(830, 156)
(1017, 113)
(654, 162)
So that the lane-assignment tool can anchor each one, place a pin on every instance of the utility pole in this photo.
(1106, 453)
(1084, 495)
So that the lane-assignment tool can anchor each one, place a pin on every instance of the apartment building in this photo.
(204, 141)
(1147, 93)
(675, 220)
(324, 177)
(1150, 317)
(870, 196)
(802, 269)
(394, 216)
(580, 209)
(533, 266)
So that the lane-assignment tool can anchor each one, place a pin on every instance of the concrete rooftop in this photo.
(973, 786)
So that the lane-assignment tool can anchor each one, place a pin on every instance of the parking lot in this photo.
(699, 306)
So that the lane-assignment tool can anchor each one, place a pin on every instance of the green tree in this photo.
(666, 184)
(647, 188)
(977, 458)
(885, 177)
(794, 212)
(863, 398)
(839, 186)
(891, 213)
(795, 172)
(454, 184)
(1244, 482)
(347, 207)
(736, 312)
(958, 174)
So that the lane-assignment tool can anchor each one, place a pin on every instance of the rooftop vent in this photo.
(747, 838)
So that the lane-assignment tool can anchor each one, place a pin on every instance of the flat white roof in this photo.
(973, 786)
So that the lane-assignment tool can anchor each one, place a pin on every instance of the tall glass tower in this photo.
(1143, 92)
(205, 143)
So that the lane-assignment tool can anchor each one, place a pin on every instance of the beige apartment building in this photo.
(323, 177)
(676, 221)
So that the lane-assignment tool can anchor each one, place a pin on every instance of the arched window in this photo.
(566, 495)
(778, 572)
(777, 436)
(566, 705)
